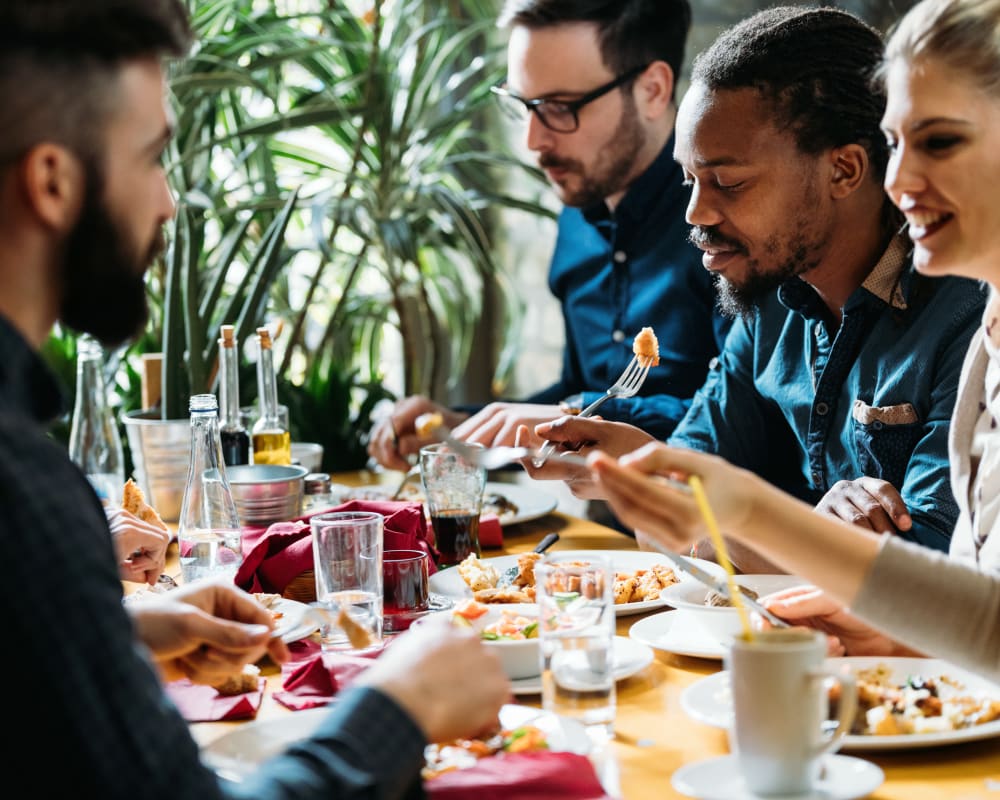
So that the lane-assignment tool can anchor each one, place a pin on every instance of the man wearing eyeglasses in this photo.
(594, 84)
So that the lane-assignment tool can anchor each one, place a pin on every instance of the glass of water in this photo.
(347, 558)
(576, 636)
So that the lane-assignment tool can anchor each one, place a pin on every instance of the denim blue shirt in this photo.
(615, 273)
(805, 406)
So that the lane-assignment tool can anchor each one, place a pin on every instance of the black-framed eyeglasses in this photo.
(561, 116)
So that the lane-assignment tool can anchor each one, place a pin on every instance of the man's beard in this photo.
(104, 290)
(741, 300)
(612, 168)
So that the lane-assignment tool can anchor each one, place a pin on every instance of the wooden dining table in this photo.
(653, 736)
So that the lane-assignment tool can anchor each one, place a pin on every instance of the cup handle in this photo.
(846, 708)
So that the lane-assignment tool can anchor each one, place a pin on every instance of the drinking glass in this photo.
(576, 628)
(347, 558)
(780, 688)
(454, 490)
(404, 591)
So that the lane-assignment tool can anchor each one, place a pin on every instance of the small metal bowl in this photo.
(266, 493)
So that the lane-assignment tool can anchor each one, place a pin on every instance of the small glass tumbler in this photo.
(454, 490)
(576, 629)
(405, 596)
(347, 558)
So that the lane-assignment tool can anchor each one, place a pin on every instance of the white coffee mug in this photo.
(779, 684)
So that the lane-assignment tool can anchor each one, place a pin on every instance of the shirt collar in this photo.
(643, 192)
(27, 385)
(886, 282)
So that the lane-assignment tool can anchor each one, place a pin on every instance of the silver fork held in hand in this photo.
(627, 385)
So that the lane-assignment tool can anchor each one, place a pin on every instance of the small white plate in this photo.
(292, 625)
(677, 632)
(237, 753)
(709, 701)
(449, 583)
(629, 658)
(844, 778)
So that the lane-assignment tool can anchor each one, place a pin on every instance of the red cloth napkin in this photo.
(490, 532)
(273, 556)
(200, 703)
(312, 678)
(541, 775)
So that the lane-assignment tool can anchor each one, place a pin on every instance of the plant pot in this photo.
(161, 452)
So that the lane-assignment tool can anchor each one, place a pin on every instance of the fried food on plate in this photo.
(477, 574)
(241, 682)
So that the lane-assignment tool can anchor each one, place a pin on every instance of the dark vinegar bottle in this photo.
(233, 436)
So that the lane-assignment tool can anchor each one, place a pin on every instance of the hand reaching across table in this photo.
(395, 437)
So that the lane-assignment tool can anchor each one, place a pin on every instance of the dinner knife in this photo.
(719, 586)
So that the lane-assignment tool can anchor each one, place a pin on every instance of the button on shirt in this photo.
(806, 406)
(616, 273)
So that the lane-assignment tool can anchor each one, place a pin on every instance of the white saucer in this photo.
(629, 658)
(845, 778)
(677, 632)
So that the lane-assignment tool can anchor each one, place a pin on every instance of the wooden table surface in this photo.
(653, 735)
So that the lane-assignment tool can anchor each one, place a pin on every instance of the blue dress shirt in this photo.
(806, 405)
(616, 273)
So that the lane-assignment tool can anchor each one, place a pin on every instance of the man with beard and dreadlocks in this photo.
(838, 379)
(593, 82)
(83, 200)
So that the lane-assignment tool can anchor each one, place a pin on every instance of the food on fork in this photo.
(241, 682)
(646, 347)
(134, 501)
(426, 424)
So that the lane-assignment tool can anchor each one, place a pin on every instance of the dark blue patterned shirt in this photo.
(806, 406)
(616, 273)
(84, 706)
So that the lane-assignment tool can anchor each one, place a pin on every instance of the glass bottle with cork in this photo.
(272, 442)
(234, 437)
(94, 442)
(208, 531)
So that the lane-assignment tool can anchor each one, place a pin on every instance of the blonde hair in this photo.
(964, 34)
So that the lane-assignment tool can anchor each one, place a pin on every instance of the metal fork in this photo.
(627, 385)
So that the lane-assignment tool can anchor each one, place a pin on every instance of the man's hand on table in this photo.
(206, 631)
(444, 678)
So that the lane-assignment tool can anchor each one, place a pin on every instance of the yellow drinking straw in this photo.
(735, 596)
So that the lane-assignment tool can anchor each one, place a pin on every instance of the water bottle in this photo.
(208, 531)
(94, 442)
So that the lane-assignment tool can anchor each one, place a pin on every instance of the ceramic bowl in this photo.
(722, 622)
(266, 493)
(520, 657)
(308, 454)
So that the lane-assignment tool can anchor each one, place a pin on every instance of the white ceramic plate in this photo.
(237, 753)
(630, 658)
(291, 626)
(676, 632)
(709, 701)
(531, 503)
(449, 583)
(844, 778)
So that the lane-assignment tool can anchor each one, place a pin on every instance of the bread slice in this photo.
(241, 682)
(135, 503)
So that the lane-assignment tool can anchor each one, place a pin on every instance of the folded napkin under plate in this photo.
(200, 703)
(541, 775)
